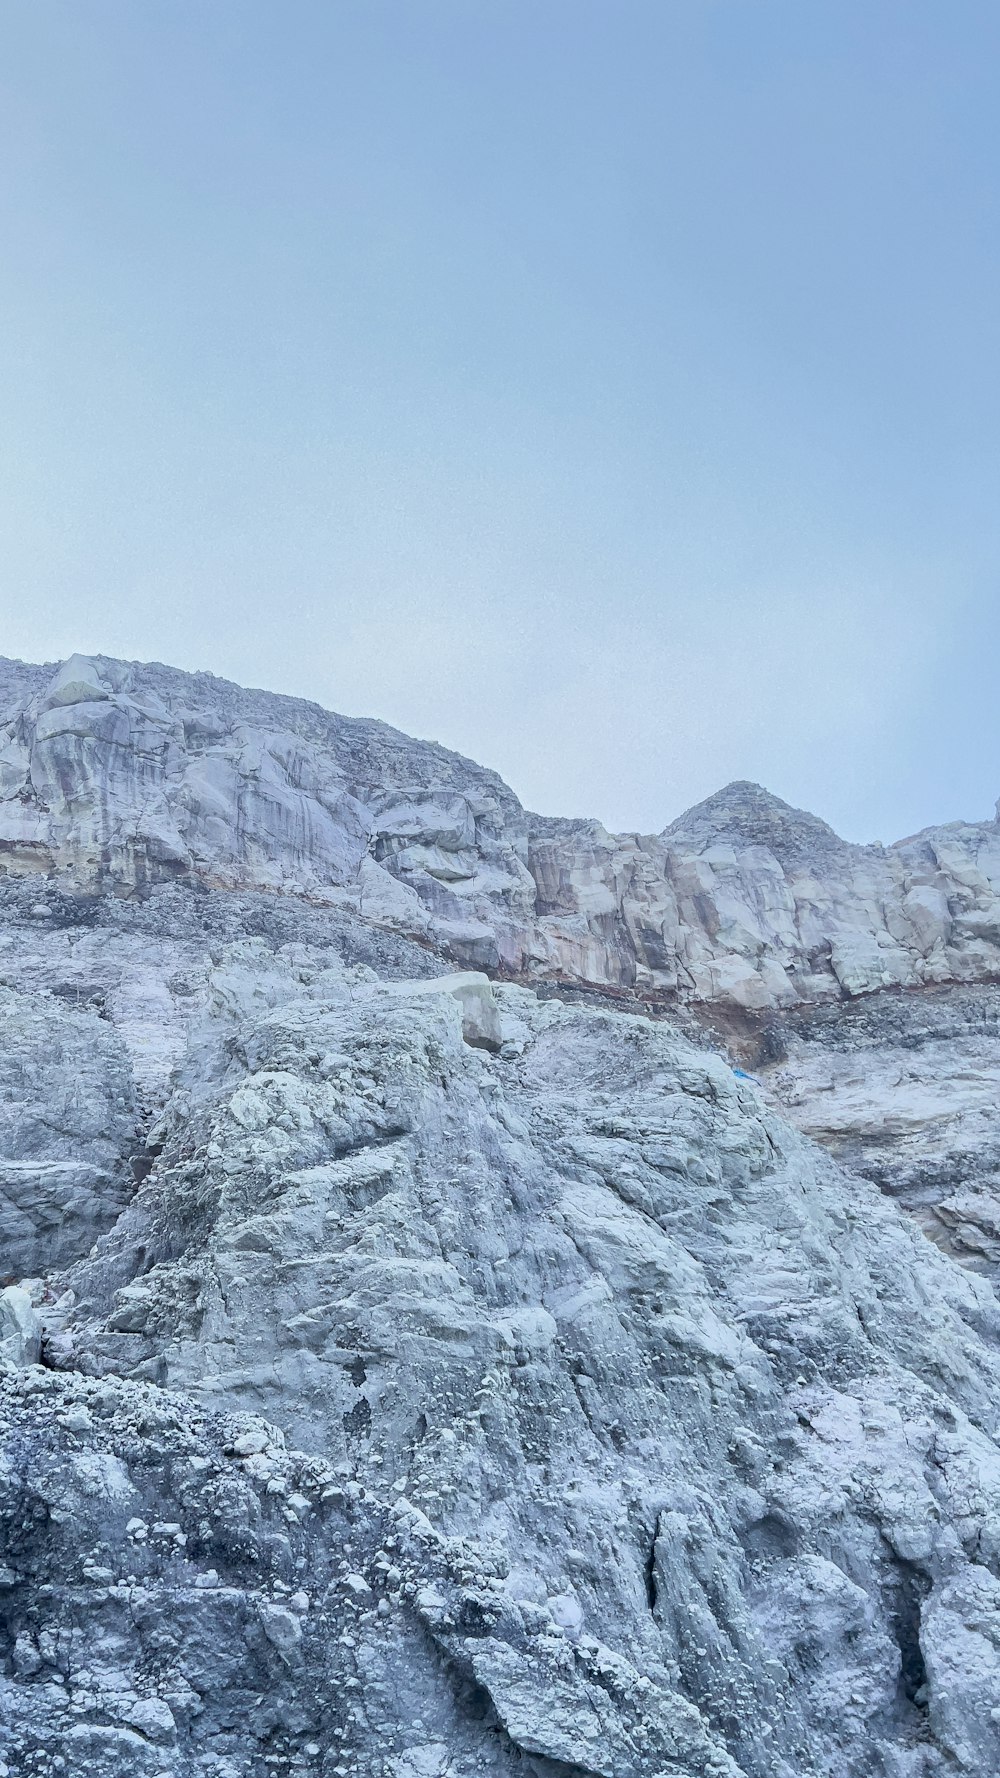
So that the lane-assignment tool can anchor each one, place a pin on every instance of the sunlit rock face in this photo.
(406, 1374)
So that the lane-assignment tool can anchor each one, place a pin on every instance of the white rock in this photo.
(586, 1313)
(357, 1584)
(20, 1327)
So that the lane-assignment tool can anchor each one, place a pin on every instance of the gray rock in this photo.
(123, 775)
(67, 1130)
(437, 1379)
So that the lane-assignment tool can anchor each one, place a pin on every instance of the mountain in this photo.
(117, 777)
(482, 1295)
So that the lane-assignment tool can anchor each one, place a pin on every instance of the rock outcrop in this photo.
(117, 776)
(408, 1374)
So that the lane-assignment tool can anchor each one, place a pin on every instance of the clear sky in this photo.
(608, 390)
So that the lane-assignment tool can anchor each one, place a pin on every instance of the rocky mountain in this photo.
(482, 1295)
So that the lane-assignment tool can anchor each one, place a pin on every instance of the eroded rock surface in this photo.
(67, 1127)
(408, 1376)
(905, 1089)
(118, 775)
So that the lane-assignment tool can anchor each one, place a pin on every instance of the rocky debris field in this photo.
(408, 1374)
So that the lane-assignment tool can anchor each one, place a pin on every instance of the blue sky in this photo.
(609, 391)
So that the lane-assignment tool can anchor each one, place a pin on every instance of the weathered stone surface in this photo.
(67, 1126)
(722, 1399)
(904, 1088)
(406, 1376)
(120, 775)
(20, 1327)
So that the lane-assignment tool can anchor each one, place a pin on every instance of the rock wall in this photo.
(121, 775)
(408, 1376)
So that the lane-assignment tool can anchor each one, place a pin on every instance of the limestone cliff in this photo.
(120, 776)
(411, 1375)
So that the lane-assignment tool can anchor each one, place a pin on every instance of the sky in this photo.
(606, 390)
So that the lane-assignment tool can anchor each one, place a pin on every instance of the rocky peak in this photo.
(746, 814)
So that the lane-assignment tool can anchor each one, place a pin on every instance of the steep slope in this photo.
(750, 919)
(408, 1377)
(118, 776)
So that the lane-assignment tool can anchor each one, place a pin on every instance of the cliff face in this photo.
(122, 776)
(411, 1376)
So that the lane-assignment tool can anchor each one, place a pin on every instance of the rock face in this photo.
(118, 776)
(405, 1374)
(115, 777)
(904, 1089)
(69, 1124)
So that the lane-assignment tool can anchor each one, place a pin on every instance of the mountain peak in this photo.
(748, 814)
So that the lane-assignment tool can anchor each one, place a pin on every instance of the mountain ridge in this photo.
(40, 674)
(121, 775)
